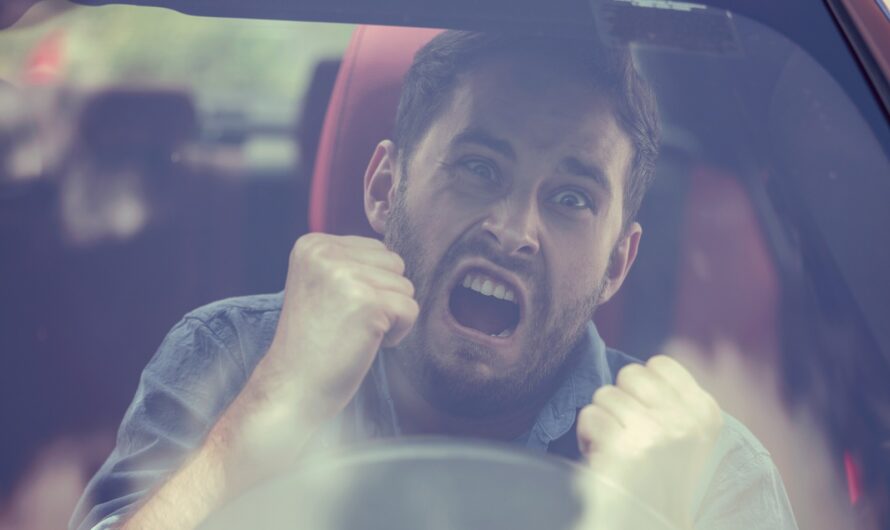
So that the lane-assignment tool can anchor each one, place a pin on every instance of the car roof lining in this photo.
(562, 17)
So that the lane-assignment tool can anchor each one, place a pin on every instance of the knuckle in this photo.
(408, 310)
(604, 392)
(586, 418)
(659, 362)
(414, 307)
(374, 242)
(629, 374)
(342, 276)
(399, 262)
(297, 250)
(343, 283)
(373, 316)
(408, 285)
(307, 241)
(681, 425)
(308, 247)
(357, 291)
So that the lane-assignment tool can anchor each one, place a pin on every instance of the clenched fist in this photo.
(651, 434)
(344, 297)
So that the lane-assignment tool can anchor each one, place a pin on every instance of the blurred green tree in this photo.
(251, 64)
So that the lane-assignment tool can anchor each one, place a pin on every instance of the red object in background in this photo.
(361, 112)
(45, 64)
(853, 483)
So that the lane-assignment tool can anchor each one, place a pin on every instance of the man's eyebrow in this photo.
(478, 136)
(577, 167)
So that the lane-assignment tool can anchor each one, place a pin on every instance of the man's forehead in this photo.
(531, 71)
(530, 96)
(554, 112)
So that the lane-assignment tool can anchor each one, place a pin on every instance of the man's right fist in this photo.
(345, 296)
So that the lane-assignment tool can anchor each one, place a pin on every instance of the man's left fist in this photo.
(652, 433)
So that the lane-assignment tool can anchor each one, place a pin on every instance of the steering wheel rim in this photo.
(411, 483)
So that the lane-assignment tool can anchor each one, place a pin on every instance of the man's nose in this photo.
(514, 225)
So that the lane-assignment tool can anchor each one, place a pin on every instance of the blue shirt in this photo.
(206, 359)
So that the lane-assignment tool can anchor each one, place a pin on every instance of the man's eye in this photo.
(483, 170)
(572, 199)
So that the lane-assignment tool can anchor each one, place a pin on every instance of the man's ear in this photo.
(622, 258)
(381, 184)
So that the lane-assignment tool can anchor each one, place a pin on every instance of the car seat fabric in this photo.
(361, 113)
(310, 119)
(705, 271)
(728, 284)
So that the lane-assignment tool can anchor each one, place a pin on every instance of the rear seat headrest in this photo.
(136, 119)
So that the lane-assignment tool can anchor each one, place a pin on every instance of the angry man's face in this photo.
(508, 214)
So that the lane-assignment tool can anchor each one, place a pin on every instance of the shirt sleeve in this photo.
(182, 391)
(745, 491)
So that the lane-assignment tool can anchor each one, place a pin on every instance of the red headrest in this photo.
(361, 113)
(728, 286)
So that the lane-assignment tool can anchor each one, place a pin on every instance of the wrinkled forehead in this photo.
(541, 109)
(530, 95)
(534, 71)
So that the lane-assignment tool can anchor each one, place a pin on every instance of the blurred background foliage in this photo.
(259, 66)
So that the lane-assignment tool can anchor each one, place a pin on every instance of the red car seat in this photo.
(362, 112)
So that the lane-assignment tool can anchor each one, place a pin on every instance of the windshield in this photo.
(153, 162)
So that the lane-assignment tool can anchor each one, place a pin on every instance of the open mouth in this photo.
(485, 304)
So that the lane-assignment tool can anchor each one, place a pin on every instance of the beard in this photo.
(448, 375)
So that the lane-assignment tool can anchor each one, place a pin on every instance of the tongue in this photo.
(487, 314)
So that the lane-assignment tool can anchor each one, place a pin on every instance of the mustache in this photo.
(525, 268)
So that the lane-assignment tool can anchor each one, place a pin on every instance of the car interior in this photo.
(760, 231)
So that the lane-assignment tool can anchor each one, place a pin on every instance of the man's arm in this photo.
(186, 386)
(651, 434)
(261, 433)
(742, 488)
(664, 440)
(345, 297)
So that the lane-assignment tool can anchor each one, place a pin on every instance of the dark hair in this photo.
(438, 65)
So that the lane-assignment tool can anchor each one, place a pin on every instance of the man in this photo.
(507, 201)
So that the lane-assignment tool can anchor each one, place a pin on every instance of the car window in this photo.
(152, 162)
(246, 78)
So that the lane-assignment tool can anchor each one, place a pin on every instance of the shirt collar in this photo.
(576, 391)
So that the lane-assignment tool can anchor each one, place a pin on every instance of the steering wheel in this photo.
(432, 483)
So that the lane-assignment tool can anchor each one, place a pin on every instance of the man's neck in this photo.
(417, 416)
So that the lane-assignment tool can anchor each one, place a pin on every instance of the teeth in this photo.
(489, 287)
(500, 291)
